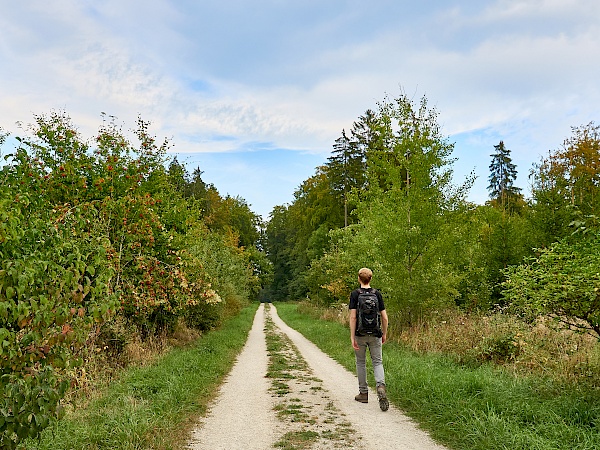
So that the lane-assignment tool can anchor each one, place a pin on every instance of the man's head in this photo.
(365, 275)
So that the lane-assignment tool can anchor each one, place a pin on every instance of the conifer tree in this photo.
(503, 173)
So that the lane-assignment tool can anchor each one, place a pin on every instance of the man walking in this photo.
(368, 328)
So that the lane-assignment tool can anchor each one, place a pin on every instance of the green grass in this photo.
(297, 440)
(470, 408)
(154, 406)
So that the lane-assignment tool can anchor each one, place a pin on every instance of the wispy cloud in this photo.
(230, 76)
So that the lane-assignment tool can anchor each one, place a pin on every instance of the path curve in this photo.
(242, 416)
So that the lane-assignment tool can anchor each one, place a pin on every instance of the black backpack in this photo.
(368, 315)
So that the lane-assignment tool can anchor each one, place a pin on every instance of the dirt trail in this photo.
(306, 401)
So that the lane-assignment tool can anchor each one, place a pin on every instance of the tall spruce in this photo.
(503, 174)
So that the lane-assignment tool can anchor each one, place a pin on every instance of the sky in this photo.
(255, 92)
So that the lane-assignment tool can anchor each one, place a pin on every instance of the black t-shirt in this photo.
(354, 298)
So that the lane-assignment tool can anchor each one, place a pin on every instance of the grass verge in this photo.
(474, 408)
(154, 407)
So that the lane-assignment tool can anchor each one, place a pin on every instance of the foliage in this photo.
(565, 184)
(153, 406)
(298, 234)
(405, 216)
(563, 282)
(89, 231)
(54, 287)
(505, 238)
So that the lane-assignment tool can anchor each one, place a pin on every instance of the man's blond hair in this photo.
(365, 275)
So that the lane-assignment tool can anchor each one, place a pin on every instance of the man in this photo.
(373, 338)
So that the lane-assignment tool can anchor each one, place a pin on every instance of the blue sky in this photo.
(256, 92)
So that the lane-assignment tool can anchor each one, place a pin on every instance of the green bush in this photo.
(90, 232)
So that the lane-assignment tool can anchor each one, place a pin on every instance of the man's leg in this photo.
(361, 368)
(377, 360)
(375, 349)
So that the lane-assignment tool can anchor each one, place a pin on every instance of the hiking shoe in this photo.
(384, 403)
(362, 397)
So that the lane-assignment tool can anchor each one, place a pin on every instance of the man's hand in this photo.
(355, 344)
(383, 339)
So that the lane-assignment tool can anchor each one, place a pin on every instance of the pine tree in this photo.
(503, 173)
(178, 175)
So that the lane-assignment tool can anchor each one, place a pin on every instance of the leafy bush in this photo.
(89, 232)
(54, 286)
(563, 282)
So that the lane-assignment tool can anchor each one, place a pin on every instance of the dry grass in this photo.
(538, 348)
(105, 356)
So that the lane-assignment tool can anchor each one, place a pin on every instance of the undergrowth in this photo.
(153, 405)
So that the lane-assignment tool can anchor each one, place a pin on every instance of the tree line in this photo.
(103, 235)
(386, 199)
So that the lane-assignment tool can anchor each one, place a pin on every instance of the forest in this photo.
(385, 199)
(514, 282)
(106, 242)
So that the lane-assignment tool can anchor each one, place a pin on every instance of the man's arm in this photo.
(352, 321)
(384, 325)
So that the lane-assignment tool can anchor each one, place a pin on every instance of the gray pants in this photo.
(374, 344)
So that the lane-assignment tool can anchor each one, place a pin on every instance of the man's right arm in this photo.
(353, 329)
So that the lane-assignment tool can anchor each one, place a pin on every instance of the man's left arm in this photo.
(384, 325)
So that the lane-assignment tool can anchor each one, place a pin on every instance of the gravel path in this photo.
(294, 396)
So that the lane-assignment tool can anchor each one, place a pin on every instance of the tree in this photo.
(346, 169)
(407, 214)
(505, 240)
(504, 233)
(90, 230)
(279, 243)
(503, 174)
(364, 132)
(197, 188)
(578, 167)
(178, 175)
(566, 183)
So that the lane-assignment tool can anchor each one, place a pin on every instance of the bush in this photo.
(561, 282)
(88, 234)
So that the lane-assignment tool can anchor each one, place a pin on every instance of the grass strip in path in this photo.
(310, 415)
(153, 407)
(479, 408)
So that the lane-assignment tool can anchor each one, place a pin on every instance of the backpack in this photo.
(368, 315)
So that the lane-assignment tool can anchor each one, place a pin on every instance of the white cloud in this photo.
(292, 76)
(508, 10)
